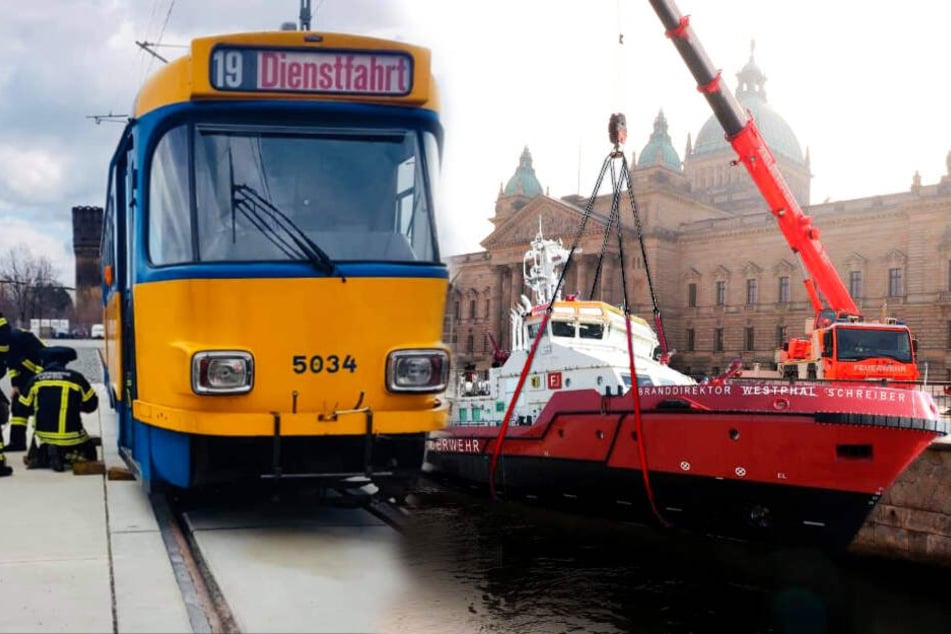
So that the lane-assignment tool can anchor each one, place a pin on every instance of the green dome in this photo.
(524, 182)
(659, 150)
(752, 97)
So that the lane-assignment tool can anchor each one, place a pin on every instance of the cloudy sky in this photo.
(863, 85)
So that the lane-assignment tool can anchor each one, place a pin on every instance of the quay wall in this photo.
(913, 519)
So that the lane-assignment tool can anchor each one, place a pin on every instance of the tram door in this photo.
(116, 250)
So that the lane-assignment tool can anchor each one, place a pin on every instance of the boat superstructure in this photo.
(584, 346)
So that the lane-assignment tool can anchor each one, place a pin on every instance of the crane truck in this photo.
(840, 343)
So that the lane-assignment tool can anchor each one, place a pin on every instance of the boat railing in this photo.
(469, 384)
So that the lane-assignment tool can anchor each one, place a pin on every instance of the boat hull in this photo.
(789, 468)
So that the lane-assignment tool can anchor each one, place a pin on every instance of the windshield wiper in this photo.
(265, 216)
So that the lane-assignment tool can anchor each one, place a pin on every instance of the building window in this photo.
(750, 292)
(718, 339)
(485, 343)
(784, 289)
(949, 334)
(749, 341)
(472, 305)
(855, 284)
(949, 275)
(470, 344)
(691, 342)
(721, 292)
(895, 287)
(456, 310)
(692, 295)
(781, 332)
(488, 306)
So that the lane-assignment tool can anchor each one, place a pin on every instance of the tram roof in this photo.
(290, 54)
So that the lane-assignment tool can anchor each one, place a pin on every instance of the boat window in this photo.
(591, 331)
(562, 329)
(533, 331)
(642, 380)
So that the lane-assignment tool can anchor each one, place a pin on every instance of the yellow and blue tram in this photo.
(272, 284)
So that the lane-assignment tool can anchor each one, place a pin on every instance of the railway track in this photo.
(287, 562)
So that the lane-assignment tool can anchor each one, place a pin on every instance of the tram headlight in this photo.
(417, 370)
(222, 372)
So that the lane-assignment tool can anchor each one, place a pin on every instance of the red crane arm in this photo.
(753, 153)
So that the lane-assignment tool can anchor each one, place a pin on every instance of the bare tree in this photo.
(27, 279)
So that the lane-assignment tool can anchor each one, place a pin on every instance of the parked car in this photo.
(97, 331)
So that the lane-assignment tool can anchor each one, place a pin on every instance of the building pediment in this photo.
(752, 270)
(721, 273)
(783, 267)
(896, 257)
(692, 275)
(854, 262)
(558, 220)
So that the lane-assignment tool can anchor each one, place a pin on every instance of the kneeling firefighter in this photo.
(24, 361)
(57, 397)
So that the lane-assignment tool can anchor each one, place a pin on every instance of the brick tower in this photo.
(87, 230)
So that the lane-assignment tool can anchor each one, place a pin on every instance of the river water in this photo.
(486, 567)
(527, 570)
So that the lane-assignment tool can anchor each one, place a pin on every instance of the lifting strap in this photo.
(617, 133)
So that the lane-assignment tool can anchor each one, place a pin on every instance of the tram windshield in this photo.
(284, 195)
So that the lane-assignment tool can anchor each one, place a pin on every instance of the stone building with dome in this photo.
(726, 282)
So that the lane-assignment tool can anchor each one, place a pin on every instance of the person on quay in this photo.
(57, 397)
(5, 469)
(5, 334)
(24, 361)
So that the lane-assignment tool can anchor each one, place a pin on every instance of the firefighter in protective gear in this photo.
(24, 361)
(5, 334)
(56, 397)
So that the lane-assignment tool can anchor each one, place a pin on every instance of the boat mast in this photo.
(542, 266)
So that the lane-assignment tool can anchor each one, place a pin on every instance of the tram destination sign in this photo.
(322, 71)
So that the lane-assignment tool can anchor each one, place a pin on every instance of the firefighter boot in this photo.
(56, 457)
(17, 439)
(4, 469)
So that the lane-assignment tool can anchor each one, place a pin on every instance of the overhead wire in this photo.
(145, 37)
(158, 41)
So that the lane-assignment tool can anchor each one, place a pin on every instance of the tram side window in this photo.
(107, 247)
(170, 232)
(413, 215)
